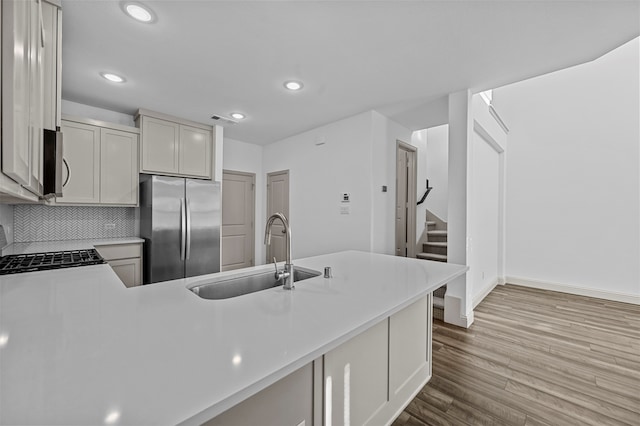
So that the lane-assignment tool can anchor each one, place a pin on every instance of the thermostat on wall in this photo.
(346, 197)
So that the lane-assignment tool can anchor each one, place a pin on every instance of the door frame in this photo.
(268, 197)
(403, 148)
(253, 211)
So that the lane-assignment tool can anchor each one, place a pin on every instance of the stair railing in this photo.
(426, 192)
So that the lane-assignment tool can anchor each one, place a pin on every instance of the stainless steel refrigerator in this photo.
(180, 222)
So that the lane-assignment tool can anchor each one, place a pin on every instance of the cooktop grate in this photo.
(17, 263)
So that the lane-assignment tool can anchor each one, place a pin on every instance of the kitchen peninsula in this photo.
(78, 347)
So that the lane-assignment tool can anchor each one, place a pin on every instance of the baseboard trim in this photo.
(571, 289)
(485, 292)
(452, 309)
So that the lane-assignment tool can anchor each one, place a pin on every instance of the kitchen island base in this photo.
(368, 379)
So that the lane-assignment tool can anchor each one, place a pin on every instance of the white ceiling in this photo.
(399, 57)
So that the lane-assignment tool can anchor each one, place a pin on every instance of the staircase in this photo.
(434, 247)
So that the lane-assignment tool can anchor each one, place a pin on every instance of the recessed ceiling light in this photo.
(112, 77)
(237, 115)
(138, 12)
(293, 85)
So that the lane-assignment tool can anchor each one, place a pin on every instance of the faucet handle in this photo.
(275, 265)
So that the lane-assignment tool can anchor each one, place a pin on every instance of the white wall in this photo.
(484, 212)
(87, 111)
(438, 170)
(476, 203)
(318, 174)
(384, 137)
(245, 157)
(357, 155)
(573, 214)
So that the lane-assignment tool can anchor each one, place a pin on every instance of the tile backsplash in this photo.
(52, 223)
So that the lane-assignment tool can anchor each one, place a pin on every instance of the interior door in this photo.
(238, 217)
(277, 202)
(406, 175)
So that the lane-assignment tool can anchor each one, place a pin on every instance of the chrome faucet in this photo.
(287, 273)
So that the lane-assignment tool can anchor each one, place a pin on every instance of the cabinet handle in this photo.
(64, 161)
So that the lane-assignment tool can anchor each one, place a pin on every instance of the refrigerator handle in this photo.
(188, 240)
(183, 229)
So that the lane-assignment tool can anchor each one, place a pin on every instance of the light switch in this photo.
(345, 197)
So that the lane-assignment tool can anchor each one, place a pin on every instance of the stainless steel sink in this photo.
(237, 286)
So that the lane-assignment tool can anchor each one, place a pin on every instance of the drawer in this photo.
(120, 251)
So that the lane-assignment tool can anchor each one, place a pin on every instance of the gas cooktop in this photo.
(17, 263)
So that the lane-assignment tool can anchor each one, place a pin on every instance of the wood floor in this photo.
(534, 357)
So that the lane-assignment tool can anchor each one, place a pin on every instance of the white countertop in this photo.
(46, 246)
(76, 347)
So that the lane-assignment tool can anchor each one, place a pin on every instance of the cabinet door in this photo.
(128, 270)
(195, 151)
(355, 377)
(118, 167)
(287, 402)
(51, 17)
(407, 344)
(81, 175)
(159, 146)
(16, 19)
(35, 98)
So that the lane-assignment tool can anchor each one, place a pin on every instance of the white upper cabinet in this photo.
(174, 147)
(195, 151)
(28, 41)
(81, 164)
(160, 146)
(51, 65)
(100, 163)
(118, 167)
(17, 65)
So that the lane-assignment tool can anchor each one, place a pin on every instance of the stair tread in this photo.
(436, 243)
(437, 232)
(432, 256)
(438, 302)
(430, 222)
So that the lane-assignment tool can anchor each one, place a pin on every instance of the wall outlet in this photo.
(109, 226)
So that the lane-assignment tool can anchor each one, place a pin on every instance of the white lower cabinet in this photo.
(355, 377)
(408, 340)
(287, 402)
(125, 260)
(100, 163)
(367, 380)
